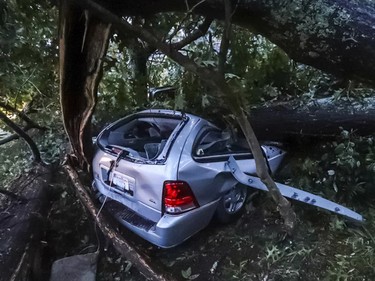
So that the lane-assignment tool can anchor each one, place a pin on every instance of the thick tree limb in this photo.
(34, 149)
(321, 118)
(336, 36)
(147, 267)
(284, 206)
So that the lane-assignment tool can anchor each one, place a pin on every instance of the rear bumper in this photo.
(169, 230)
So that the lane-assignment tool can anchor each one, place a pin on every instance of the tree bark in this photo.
(320, 119)
(336, 36)
(262, 170)
(139, 55)
(83, 44)
(22, 224)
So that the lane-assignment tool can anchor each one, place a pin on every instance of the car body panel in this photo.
(291, 192)
(143, 195)
(170, 230)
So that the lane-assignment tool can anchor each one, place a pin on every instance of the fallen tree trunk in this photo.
(22, 223)
(322, 118)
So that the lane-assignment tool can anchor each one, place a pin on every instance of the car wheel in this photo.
(232, 204)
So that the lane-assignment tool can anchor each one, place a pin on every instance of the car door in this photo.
(203, 161)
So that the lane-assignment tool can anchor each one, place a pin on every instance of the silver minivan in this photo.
(163, 174)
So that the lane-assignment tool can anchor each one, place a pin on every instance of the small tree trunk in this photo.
(283, 204)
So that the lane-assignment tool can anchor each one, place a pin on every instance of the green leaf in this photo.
(186, 273)
(340, 148)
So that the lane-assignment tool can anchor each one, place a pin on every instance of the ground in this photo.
(323, 247)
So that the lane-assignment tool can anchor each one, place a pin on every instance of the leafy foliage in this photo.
(343, 168)
(28, 79)
(28, 53)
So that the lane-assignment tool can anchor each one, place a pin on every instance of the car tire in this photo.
(232, 204)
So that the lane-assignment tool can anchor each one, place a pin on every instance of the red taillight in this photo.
(178, 197)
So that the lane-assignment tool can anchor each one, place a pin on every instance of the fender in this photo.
(291, 192)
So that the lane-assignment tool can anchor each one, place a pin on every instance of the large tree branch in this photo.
(336, 36)
(262, 169)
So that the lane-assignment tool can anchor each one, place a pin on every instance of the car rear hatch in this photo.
(132, 164)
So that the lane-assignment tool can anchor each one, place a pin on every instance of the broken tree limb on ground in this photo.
(150, 269)
(22, 224)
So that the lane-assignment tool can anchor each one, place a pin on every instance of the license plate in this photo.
(121, 182)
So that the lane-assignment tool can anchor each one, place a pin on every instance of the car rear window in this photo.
(143, 137)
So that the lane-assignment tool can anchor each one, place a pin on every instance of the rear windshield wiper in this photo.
(117, 150)
(122, 152)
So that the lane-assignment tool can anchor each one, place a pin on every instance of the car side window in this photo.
(212, 142)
